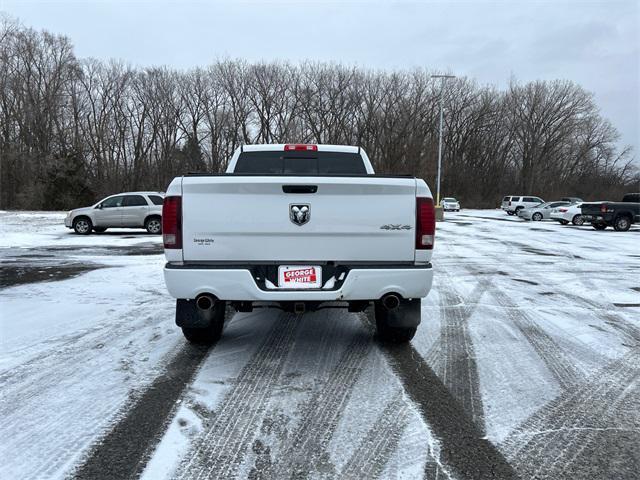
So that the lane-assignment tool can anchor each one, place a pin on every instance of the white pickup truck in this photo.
(301, 228)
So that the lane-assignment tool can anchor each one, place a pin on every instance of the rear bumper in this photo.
(238, 284)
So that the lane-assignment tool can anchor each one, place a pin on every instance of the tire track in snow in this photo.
(579, 351)
(628, 330)
(372, 454)
(53, 376)
(123, 451)
(306, 449)
(604, 312)
(452, 354)
(566, 439)
(463, 446)
(219, 451)
(603, 309)
(66, 344)
(558, 362)
(561, 366)
(598, 419)
(434, 471)
(70, 345)
(327, 346)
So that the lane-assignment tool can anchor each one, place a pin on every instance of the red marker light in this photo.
(304, 147)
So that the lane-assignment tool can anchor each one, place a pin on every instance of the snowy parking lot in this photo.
(526, 365)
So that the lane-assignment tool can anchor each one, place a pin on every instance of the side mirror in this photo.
(99, 206)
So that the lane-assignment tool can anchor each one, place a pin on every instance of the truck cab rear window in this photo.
(300, 163)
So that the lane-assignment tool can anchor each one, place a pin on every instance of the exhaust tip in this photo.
(205, 302)
(391, 301)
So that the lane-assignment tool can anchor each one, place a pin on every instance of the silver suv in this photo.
(513, 204)
(125, 210)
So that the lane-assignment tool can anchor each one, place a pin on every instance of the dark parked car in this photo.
(619, 215)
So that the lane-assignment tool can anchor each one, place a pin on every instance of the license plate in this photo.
(299, 276)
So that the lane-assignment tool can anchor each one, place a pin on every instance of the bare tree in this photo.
(70, 130)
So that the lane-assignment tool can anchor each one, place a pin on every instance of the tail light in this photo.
(603, 208)
(172, 222)
(563, 210)
(425, 223)
(301, 147)
(509, 202)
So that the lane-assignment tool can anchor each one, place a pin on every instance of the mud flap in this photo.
(407, 315)
(188, 315)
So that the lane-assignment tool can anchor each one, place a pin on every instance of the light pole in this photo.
(444, 78)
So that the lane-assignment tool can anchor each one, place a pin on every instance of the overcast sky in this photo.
(594, 43)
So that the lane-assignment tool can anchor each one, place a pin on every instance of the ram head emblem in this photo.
(300, 213)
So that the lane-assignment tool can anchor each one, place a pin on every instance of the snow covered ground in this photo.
(527, 363)
(75, 352)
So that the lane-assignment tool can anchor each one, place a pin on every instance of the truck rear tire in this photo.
(399, 325)
(203, 336)
(622, 223)
(395, 334)
(201, 327)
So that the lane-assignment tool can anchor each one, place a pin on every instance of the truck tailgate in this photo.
(230, 218)
(591, 208)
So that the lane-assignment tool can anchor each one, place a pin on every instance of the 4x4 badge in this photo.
(299, 213)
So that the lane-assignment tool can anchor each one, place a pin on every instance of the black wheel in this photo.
(203, 336)
(536, 217)
(622, 223)
(564, 222)
(599, 226)
(509, 213)
(387, 333)
(82, 225)
(578, 220)
(99, 229)
(153, 225)
(210, 334)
